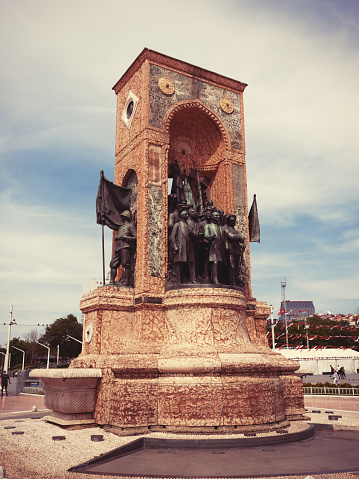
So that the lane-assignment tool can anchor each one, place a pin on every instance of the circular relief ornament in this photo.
(226, 105)
(166, 86)
(88, 332)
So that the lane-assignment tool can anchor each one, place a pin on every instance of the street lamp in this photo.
(306, 327)
(48, 354)
(7, 356)
(23, 356)
(272, 325)
(68, 336)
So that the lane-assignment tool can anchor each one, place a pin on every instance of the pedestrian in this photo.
(4, 382)
(335, 378)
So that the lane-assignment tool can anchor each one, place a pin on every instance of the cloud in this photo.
(59, 63)
(46, 256)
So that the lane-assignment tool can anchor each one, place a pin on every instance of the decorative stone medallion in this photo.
(129, 109)
(226, 105)
(166, 86)
(88, 332)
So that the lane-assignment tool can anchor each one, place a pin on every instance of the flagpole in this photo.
(103, 227)
(7, 361)
(272, 326)
(103, 254)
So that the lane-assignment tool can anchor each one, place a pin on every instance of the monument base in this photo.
(70, 420)
(196, 359)
(211, 431)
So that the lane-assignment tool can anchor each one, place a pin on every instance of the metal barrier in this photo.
(331, 391)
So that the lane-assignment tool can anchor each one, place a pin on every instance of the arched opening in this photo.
(196, 143)
(197, 223)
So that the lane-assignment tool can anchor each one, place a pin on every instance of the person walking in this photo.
(335, 378)
(4, 382)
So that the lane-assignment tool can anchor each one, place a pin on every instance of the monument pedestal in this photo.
(199, 369)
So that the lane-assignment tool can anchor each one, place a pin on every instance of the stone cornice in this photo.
(180, 66)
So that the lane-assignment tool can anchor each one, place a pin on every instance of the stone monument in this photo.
(182, 344)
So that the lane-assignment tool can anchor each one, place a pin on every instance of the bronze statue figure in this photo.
(212, 234)
(183, 248)
(204, 246)
(124, 249)
(234, 245)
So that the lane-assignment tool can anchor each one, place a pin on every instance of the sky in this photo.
(59, 62)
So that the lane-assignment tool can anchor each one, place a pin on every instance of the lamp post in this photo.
(7, 356)
(272, 325)
(48, 354)
(23, 356)
(68, 336)
(306, 327)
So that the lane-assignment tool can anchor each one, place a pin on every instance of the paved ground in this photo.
(327, 453)
(11, 388)
(19, 404)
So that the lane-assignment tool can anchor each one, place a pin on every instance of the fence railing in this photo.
(331, 390)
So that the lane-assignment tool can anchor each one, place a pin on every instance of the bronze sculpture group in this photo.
(204, 248)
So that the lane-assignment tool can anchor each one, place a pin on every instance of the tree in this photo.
(57, 334)
(31, 338)
(16, 355)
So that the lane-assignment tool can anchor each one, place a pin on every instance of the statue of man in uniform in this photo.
(234, 245)
(124, 249)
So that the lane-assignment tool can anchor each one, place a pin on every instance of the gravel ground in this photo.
(35, 455)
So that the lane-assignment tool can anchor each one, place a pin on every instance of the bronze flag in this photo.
(111, 201)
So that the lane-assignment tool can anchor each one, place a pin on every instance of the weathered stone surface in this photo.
(191, 361)
(154, 264)
(239, 206)
(69, 391)
(187, 88)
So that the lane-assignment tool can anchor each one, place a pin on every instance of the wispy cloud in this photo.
(59, 63)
